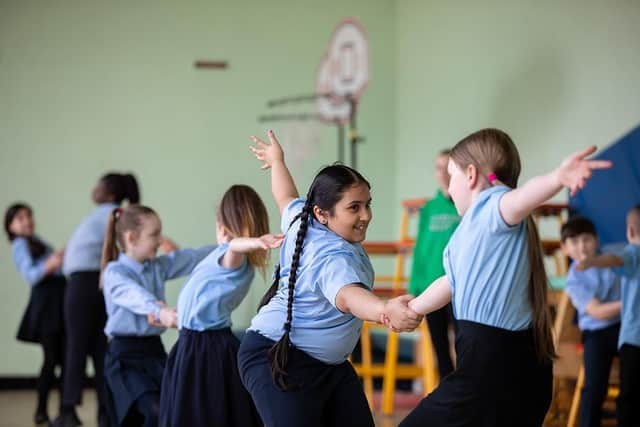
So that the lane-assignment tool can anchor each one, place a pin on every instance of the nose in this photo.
(365, 215)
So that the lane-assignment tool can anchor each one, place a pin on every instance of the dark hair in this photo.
(575, 226)
(243, 214)
(122, 187)
(121, 220)
(36, 247)
(445, 152)
(327, 189)
(493, 151)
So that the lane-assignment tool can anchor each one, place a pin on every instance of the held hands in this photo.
(575, 170)
(398, 316)
(54, 261)
(168, 317)
(268, 153)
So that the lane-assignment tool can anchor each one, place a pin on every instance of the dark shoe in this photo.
(41, 417)
(66, 420)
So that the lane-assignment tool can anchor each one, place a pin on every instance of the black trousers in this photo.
(498, 382)
(600, 346)
(438, 322)
(324, 395)
(629, 398)
(85, 317)
(53, 349)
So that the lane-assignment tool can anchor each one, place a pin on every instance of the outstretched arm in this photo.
(601, 261)
(572, 173)
(603, 310)
(241, 246)
(282, 185)
(436, 296)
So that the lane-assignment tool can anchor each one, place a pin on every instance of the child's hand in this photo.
(54, 262)
(268, 153)
(401, 317)
(167, 245)
(575, 170)
(270, 241)
(168, 317)
(584, 264)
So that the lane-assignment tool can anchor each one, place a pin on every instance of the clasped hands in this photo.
(397, 315)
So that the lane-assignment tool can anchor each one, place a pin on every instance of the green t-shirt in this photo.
(437, 222)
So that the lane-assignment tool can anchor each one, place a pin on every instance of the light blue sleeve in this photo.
(631, 258)
(290, 211)
(339, 270)
(495, 220)
(181, 262)
(125, 291)
(32, 271)
(579, 289)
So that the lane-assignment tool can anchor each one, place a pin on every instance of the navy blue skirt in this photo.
(498, 382)
(201, 385)
(133, 366)
(44, 313)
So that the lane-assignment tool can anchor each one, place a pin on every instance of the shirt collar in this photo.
(131, 263)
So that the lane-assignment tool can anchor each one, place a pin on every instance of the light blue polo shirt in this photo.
(327, 264)
(212, 292)
(599, 283)
(630, 324)
(487, 264)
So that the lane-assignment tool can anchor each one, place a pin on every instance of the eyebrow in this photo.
(359, 201)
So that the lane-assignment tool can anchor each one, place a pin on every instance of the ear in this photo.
(633, 233)
(472, 176)
(563, 248)
(130, 237)
(320, 215)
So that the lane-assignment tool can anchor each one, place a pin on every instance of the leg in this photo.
(438, 322)
(47, 374)
(629, 398)
(98, 349)
(347, 405)
(148, 405)
(597, 364)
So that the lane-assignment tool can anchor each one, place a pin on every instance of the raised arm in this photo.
(241, 246)
(600, 261)
(282, 185)
(572, 173)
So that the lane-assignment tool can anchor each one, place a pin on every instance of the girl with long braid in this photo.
(293, 358)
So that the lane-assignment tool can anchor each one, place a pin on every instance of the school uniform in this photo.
(201, 385)
(629, 340)
(600, 337)
(498, 380)
(135, 357)
(324, 389)
(42, 321)
(84, 310)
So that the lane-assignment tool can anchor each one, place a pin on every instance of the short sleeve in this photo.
(495, 221)
(289, 213)
(631, 259)
(580, 291)
(339, 270)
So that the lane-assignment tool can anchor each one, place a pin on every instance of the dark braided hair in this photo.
(36, 247)
(327, 189)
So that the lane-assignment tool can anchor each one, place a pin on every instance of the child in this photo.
(84, 312)
(42, 322)
(438, 220)
(201, 385)
(133, 284)
(496, 281)
(293, 358)
(595, 293)
(629, 340)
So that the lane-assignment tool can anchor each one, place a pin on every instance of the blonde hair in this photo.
(243, 214)
(492, 151)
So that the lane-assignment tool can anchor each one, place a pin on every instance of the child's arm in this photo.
(363, 304)
(282, 185)
(436, 296)
(572, 173)
(126, 292)
(182, 261)
(240, 246)
(603, 310)
(600, 261)
(34, 271)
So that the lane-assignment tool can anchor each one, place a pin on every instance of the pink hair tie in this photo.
(492, 177)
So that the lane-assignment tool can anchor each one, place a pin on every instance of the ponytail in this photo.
(110, 250)
(538, 285)
(279, 353)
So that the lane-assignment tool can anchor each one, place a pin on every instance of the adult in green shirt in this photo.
(437, 221)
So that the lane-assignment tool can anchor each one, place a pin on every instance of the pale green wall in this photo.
(557, 76)
(87, 87)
